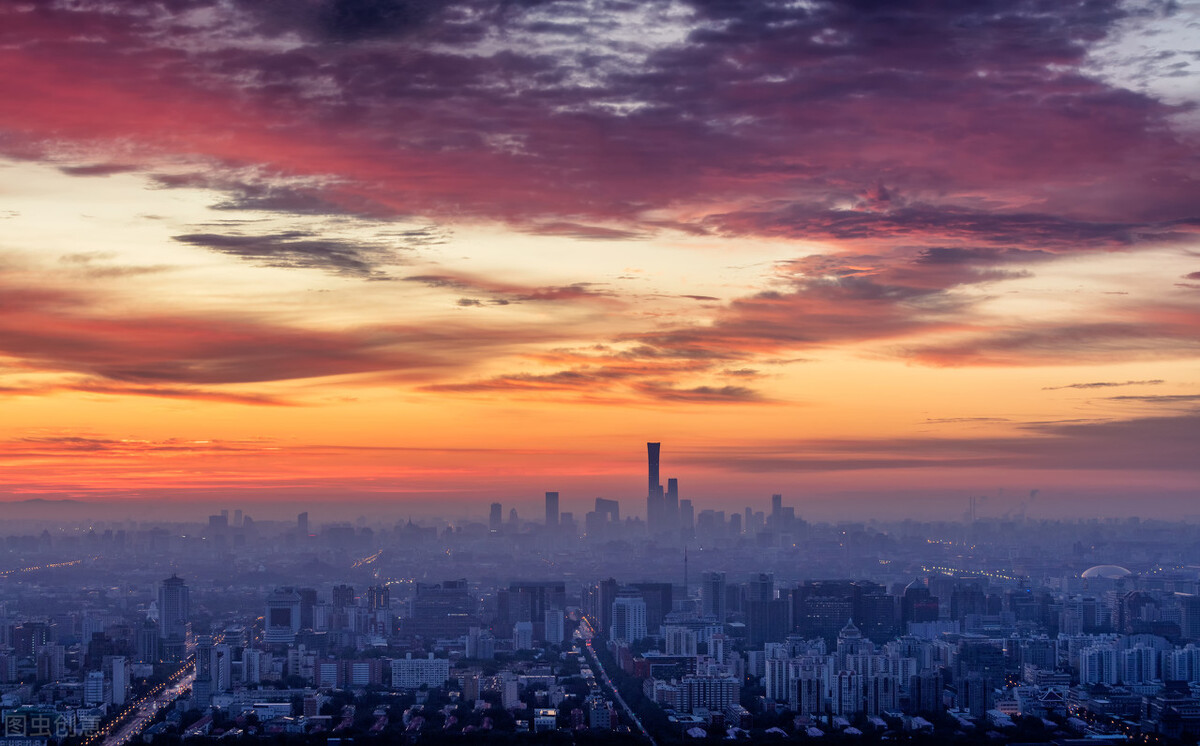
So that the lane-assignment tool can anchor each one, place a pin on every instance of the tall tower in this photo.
(551, 508)
(654, 497)
(652, 450)
(496, 517)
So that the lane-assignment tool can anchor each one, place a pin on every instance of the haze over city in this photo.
(594, 372)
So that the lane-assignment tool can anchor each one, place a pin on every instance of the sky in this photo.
(878, 257)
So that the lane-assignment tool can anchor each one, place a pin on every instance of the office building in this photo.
(628, 616)
(445, 609)
(174, 612)
(412, 673)
(282, 619)
(713, 596)
(551, 509)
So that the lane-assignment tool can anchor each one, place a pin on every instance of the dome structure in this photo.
(1106, 572)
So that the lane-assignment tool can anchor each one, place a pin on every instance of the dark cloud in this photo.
(1150, 444)
(1041, 344)
(99, 169)
(173, 352)
(953, 224)
(1158, 399)
(853, 121)
(503, 294)
(962, 420)
(701, 394)
(585, 232)
(1105, 384)
(301, 250)
(162, 392)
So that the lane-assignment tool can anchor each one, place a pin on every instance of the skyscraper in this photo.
(652, 451)
(687, 517)
(496, 517)
(174, 609)
(654, 497)
(671, 506)
(302, 523)
(551, 508)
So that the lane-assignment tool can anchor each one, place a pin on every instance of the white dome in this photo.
(1107, 572)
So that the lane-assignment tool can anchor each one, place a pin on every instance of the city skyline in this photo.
(879, 259)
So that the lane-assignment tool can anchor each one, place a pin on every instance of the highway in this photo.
(585, 634)
(139, 713)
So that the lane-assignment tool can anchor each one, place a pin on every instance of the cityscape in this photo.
(596, 372)
(665, 626)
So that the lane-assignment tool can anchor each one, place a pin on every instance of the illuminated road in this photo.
(35, 568)
(142, 710)
(586, 637)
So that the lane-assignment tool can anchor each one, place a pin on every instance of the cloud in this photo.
(1158, 399)
(584, 232)
(1158, 334)
(1155, 444)
(52, 330)
(164, 392)
(701, 394)
(99, 169)
(843, 121)
(962, 420)
(1104, 384)
(298, 249)
(503, 293)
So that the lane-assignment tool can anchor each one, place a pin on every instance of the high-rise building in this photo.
(652, 451)
(378, 597)
(659, 598)
(119, 670)
(551, 508)
(611, 508)
(202, 683)
(496, 517)
(93, 688)
(174, 611)
(146, 642)
(308, 606)
(442, 610)
(529, 601)
(628, 616)
(671, 506)
(302, 524)
(712, 595)
(343, 596)
(654, 497)
(687, 517)
(597, 603)
(282, 619)
(413, 673)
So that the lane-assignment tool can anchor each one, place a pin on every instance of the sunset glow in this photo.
(426, 255)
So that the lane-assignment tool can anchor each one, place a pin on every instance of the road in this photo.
(143, 709)
(586, 637)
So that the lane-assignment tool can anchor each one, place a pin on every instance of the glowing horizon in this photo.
(290, 251)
